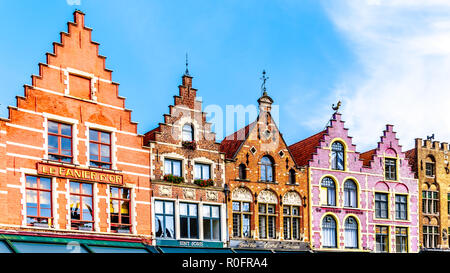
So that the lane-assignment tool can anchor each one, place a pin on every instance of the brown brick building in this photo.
(71, 162)
(187, 174)
(430, 161)
(267, 206)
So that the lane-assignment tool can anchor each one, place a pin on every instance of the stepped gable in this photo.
(185, 109)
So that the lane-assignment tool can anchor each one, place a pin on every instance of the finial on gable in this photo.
(186, 73)
(430, 137)
(336, 108)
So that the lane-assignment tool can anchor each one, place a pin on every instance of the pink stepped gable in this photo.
(343, 186)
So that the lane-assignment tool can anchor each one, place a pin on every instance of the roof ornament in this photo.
(263, 85)
(336, 108)
(186, 73)
(430, 137)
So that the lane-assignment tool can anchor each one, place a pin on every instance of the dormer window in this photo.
(337, 156)
(188, 132)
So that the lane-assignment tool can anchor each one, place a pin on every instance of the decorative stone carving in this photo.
(189, 193)
(292, 198)
(212, 195)
(242, 194)
(165, 191)
(267, 196)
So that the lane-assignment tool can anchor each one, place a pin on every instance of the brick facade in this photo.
(429, 160)
(246, 148)
(75, 90)
(168, 143)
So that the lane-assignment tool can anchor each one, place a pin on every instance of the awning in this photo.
(37, 244)
(255, 251)
(168, 249)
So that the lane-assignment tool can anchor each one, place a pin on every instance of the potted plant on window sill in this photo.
(204, 183)
(189, 145)
(173, 178)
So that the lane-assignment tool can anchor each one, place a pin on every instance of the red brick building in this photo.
(267, 205)
(71, 161)
(187, 174)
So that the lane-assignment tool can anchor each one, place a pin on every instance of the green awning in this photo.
(167, 249)
(4, 248)
(27, 247)
(105, 249)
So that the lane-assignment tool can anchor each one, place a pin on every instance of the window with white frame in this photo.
(189, 221)
(351, 233)
(202, 171)
(172, 166)
(350, 194)
(211, 222)
(164, 219)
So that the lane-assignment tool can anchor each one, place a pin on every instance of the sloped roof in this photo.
(412, 160)
(303, 150)
(231, 143)
(366, 157)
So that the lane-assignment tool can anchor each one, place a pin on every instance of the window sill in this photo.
(103, 169)
(50, 161)
(242, 180)
(268, 182)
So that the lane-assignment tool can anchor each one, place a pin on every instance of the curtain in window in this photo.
(351, 233)
(329, 232)
(328, 183)
(350, 194)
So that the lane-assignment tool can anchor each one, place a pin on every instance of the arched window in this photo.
(242, 171)
(291, 176)
(337, 156)
(188, 132)
(329, 232)
(266, 169)
(351, 233)
(350, 194)
(328, 192)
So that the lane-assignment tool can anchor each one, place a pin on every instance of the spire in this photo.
(186, 73)
(265, 102)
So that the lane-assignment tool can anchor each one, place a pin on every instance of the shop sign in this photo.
(79, 173)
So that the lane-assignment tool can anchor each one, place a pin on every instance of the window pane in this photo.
(236, 206)
(93, 151)
(52, 127)
(215, 212)
(167, 167)
(170, 227)
(87, 188)
(216, 229)
(205, 171)
(105, 137)
(206, 211)
(93, 135)
(193, 227)
(66, 130)
(159, 207)
(31, 181)
(245, 206)
(45, 183)
(176, 167)
(53, 144)
(168, 207)
(192, 210)
(183, 209)
(207, 229)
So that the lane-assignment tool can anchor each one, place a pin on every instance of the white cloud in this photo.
(404, 78)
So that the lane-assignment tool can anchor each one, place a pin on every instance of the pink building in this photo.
(359, 202)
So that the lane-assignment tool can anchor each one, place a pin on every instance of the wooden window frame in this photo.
(81, 195)
(119, 225)
(60, 156)
(38, 189)
(99, 144)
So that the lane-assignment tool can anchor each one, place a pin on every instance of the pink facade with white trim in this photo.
(368, 176)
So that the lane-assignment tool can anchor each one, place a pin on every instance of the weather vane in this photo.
(264, 79)
(430, 137)
(336, 108)
(187, 64)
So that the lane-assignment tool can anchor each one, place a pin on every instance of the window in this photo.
(211, 222)
(329, 232)
(188, 221)
(381, 205)
(350, 194)
(401, 239)
(120, 210)
(381, 238)
(188, 132)
(242, 171)
(165, 219)
(291, 176)
(266, 169)
(39, 201)
(401, 207)
(267, 218)
(337, 156)
(328, 192)
(390, 168)
(291, 222)
(202, 171)
(59, 142)
(172, 166)
(241, 219)
(429, 169)
(100, 149)
(430, 236)
(81, 209)
(351, 233)
(430, 202)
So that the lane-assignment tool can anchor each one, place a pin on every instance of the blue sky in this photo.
(314, 53)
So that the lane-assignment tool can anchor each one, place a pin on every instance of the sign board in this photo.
(79, 173)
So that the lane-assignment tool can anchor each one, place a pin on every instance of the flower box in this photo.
(189, 145)
(204, 183)
(173, 178)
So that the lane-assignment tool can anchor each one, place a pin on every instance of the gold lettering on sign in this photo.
(78, 173)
